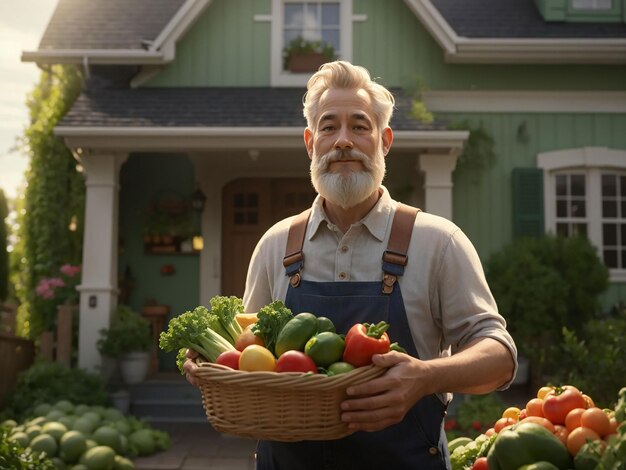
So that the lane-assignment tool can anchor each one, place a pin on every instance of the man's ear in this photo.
(387, 136)
(308, 141)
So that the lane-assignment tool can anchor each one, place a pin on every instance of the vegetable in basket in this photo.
(197, 330)
(363, 341)
(226, 310)
(270, 321)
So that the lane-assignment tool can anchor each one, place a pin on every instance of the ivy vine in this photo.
(53, 197)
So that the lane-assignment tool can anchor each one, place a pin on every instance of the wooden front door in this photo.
(250, 206)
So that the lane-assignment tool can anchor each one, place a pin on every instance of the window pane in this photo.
(578, 185)
(609, 209)
(561, 208)
(239, 200)
(579, 229)
(609, 234)
(623, 230)
(291, 34)
(622, 184)
(253, 200)
(609, 185)
(610, 258)
(623, 265)
(293, 15)
(331, 36)
(623, 208)
(577, 208)
(311, 19)
(561, 185)
(330, 14)
(561, 230)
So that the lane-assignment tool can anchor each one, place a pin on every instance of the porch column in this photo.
(98, 289)
(438, 168)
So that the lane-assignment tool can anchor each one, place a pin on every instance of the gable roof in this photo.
(476, 31)
(516, 19)
(110, 24)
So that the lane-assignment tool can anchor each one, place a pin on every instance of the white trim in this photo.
(465, 50)
(94, 56)
(262, 18)
(590, 160)
(278, 77)
(525, 101)
(178, 25)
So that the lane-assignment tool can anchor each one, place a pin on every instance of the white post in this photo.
(438, 184)
(98, 289)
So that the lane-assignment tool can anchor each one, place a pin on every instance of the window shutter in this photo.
(528, 216)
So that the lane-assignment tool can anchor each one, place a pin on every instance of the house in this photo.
(189, 103)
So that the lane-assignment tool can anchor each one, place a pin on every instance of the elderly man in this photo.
(359, 256)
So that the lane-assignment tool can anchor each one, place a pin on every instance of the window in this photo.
(592, 4)
(327, 21)
(585, 194)
(312, 21)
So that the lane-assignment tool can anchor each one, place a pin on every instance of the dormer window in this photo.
(322, 28)
(592, 5)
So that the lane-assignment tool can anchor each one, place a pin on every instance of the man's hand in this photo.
(190, 367)
(385, 400)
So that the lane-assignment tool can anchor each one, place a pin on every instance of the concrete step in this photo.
(167, 398)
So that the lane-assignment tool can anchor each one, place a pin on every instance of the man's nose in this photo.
(343, 140)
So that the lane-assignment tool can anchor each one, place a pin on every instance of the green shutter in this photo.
(528, 220)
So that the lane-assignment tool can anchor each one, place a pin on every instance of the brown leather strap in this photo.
(399, 239)
(295, 238)
(401, 229)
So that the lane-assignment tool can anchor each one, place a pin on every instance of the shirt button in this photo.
(344, 248)
(433, 451)
(342, 275)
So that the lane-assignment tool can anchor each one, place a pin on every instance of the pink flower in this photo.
(69, 270)
(56, 282)
(44, 289)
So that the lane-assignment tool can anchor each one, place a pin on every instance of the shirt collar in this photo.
(376, 221)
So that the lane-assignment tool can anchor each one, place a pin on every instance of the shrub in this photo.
(49, 382)
(592, 360)
(129, 332)
(543, 284)
(15, 457)
(474, 415)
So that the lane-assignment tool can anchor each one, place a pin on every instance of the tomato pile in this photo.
(560, 427)
(306, 343)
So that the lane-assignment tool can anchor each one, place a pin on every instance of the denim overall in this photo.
(418, 442)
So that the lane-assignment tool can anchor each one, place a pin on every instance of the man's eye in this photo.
(327, 128)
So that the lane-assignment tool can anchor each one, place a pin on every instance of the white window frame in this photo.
(592, 161)
(278, 76)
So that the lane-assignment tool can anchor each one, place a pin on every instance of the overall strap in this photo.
(294, 258)
(395, 257)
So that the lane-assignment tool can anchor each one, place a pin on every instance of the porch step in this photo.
(167, 398)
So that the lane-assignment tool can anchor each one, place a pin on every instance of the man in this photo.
(362, 257)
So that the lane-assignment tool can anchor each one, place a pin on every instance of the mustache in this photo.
(339, 154)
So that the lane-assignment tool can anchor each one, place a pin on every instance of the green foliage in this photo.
(4, 256)
(271, 320)
(543, 284)
(478, 152)
(49, 382)
(15, 457)
(592, 359)
(300, 45)
(478, 413)
(54, 196)
(129, 332)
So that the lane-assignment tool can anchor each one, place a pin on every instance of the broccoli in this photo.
(226, 309)
(181, 357)
(270, 320)
(194, 330)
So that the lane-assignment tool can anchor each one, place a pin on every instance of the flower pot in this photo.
(308, 62)
(134, 367)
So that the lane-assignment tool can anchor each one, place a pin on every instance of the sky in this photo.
(22, 23)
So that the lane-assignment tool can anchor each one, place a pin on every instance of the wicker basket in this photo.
(278, 406)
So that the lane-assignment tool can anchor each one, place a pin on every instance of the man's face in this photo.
(346, 148)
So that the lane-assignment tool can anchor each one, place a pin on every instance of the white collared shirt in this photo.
(447, 300)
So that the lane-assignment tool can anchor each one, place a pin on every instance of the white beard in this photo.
(347, 189)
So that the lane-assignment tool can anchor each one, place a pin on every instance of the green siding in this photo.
(142, 177)
(527, 207)
(225, 47)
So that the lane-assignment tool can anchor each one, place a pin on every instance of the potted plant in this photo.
(301, 55)
(128, 340)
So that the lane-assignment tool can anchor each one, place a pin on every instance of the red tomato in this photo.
(295, 361)
(561, 432)
(539, 420)
(534, 407)
(480, 464)
(561, 401)
(522, 414)
(229, 359)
